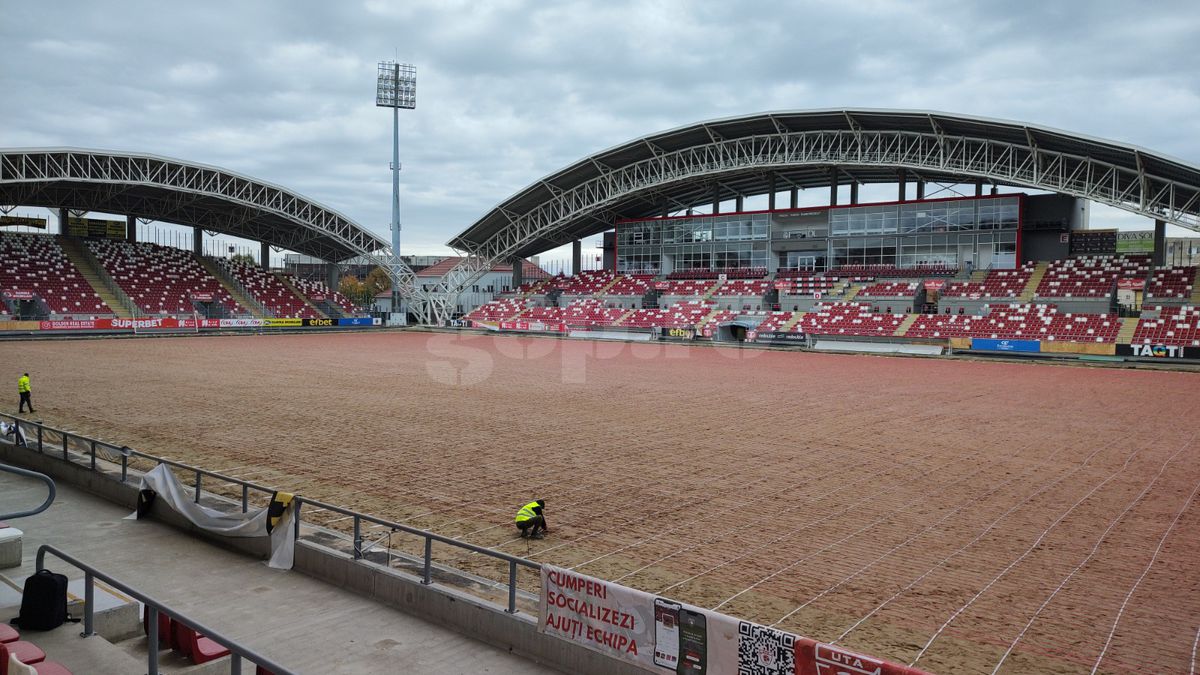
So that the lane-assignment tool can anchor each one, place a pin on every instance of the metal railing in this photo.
(51, 492)
(123, 455)
(237, 652)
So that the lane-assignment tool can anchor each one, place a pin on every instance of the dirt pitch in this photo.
(963, 516)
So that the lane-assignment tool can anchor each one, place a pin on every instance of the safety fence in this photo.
(237, 652)
(656, 634)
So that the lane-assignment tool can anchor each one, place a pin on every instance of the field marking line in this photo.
(928, 528)
(1187, 502)
(1024, 555)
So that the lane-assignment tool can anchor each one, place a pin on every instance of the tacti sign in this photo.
(1158, 351)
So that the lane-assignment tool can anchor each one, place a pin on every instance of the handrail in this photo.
(358, 518)
(236, 651)
(30, 474)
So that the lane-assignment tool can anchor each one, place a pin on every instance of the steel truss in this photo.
(169, 190)
(934, 152)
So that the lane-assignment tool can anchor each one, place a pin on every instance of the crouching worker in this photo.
(531, 520)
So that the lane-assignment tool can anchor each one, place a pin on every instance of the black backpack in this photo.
(44, 602)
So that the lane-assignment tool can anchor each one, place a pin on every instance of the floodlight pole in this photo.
(395, 93)
(396, 195)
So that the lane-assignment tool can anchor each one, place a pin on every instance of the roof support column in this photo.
(197, 241)
(1160, 241)
(771, 193)
(716, 199)
(978, 188)
(903, 186)
(795, 198)
(131, 229)
(63, 229)
(264, 255)
(518, 272)
(833, 185)
(920, 189)
(854, 193)
(739, 204)
(332, 276)
(577, 256)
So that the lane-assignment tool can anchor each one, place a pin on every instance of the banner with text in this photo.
(658, 634)
(990, 345)
(1159, 351)
(22, 221)
(96, 228)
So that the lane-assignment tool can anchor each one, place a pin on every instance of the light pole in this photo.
(396, 89)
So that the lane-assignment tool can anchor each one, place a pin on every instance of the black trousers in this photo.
(534, 525)
(25, 400)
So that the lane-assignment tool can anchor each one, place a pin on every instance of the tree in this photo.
(245, 259)
(378, 281)
(356, 291)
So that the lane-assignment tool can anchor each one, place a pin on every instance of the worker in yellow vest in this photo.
(531, 519)
(23, 390)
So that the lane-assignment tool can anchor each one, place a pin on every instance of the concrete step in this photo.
(902, 329)
(229, 284)
(74, 251)
(1195, 300)
(791, 323)
(607, 286)
(1034, 280)
(284, 280)
(979, 275)
(853, 292)
(1128, 328)
(95, 655)
(620, 320)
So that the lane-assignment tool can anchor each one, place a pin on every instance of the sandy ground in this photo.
(960, 515)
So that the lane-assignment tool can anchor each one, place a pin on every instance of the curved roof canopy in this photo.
(172, 190)
(755, 154)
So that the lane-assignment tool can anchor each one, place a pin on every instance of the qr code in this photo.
(765, 651)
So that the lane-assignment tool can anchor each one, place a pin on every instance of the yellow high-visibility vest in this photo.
(526, 512)
(23, 384)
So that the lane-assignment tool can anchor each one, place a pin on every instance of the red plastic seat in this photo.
(26, 652)
(165, 637)
(196, 647)
(8, 633)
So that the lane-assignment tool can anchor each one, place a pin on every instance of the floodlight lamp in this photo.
(397, 85)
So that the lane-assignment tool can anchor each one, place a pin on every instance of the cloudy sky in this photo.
(510, 91)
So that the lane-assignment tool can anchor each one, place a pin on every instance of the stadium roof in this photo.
(177, 191)
(746, 155)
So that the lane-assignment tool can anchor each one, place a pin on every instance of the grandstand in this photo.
(955, 514)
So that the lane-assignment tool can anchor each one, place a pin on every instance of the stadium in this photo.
(946, 432)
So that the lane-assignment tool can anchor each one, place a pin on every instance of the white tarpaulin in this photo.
(251, 524)
(655, 633)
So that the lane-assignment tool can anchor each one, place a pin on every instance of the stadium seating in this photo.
(28, 654)
(1173, 326)
(36, 263)
(268, 290)
(590, 312)
(545, 314)
(742, 287)
(997, 284)
(890, 289)
(775, 321)
(319, 292)
(684, 314)
(1020, 322)
(1089, 276)
(497, 310)
(685, 288)
(160, 279)
(630, 285)
(848, 318)
(1171, 282)
(917, 271)
(585, 283)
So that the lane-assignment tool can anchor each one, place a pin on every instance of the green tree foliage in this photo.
(357, 292)
(245, 259)
(378, 281)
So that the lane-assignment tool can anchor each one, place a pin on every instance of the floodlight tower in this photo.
(396, 89)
